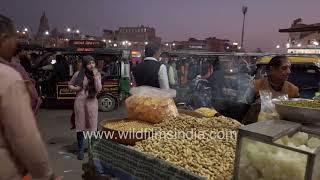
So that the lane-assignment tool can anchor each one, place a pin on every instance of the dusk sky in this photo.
(173, 19)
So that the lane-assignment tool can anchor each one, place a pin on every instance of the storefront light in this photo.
(288, 45)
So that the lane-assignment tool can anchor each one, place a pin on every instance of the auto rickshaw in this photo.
(305, 72)
(113, 65)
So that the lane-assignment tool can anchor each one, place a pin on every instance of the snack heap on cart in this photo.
(266, 150)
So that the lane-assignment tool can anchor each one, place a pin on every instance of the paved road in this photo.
(55, 128)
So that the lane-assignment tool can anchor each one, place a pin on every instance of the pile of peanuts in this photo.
(207, 157)
(129, 125)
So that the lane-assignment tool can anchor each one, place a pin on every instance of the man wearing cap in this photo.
(151, 72)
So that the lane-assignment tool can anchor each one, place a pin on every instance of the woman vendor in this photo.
(276, 82)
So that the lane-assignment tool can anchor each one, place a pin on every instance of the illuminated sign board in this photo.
(196, 47)
(304, 51)
(85, 49)
(87, 44)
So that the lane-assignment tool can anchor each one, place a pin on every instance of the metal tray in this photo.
(297, 114)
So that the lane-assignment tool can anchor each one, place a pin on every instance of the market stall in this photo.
(278, 149)
(165, 143)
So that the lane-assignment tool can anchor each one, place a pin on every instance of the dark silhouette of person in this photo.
(61, 69)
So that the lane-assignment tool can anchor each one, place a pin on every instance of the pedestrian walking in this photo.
(22, 150)
(87, 84)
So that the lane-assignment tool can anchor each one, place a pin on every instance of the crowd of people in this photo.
(22, 150)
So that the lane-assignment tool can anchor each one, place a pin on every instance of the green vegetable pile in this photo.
(307, 104)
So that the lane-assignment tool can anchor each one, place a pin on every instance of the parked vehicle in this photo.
(113, 64)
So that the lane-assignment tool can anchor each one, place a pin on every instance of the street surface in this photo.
(60, 140)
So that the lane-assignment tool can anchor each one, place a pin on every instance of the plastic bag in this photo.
(152, 91)
(151, 104)
(268, 111)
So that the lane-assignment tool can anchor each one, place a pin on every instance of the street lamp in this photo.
(244, 12)
(129, 43)
(146, 43)
(18, 31)
(77, 31)
(109, 41)
(23, 32)
(68, 30)
(278, 46)
(288, 45)
(167, 44)
(26, 29)
(104, 40)
(46, 33)
(173, 44)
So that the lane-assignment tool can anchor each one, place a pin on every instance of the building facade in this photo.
(137, 34)
(303, 38)
(211, 44)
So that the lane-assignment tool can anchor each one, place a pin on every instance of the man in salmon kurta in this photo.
(21, 147)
